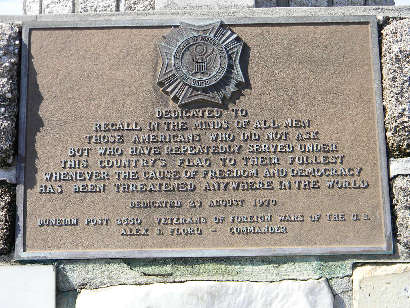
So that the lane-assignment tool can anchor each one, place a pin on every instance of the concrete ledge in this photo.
(380, 11)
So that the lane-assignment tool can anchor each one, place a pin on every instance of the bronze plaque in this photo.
(276, 148)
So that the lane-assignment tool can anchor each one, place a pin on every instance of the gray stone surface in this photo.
(265, 3)
(396, 84)
(202, 4)
(95, 6)
(9, 66)
(17, 19)
(342, 291)
(91, 274)
(348, 2)
(401, 210)
(8, 174)
(6, 259)
(380, 2)
(206, 294)
(7, 216)
(136, 5)
(294, 3)
(57, 6)
(66, 299)
(27, 286)
(343, 300)
(399, 166)
(32, 7)
(381, 12)
(381, 286)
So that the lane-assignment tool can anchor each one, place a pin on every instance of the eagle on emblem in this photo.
(200, 63)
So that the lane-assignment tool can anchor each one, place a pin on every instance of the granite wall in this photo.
(35, 7)
(74, 277)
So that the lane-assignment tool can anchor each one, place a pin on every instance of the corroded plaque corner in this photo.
(200, 63)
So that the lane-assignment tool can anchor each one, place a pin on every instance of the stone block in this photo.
(401, 211)
(202, 4)
(32, 7)
(10, 39)
(7, 216)
(96, 6)
(342, 290)
(9, 175)
(381, 286)
(27, 286)
(205, 294)
(343, 300)
(315, 3)
(265, 3)
(396, 84)
(340, 285)
(348, 2)
(92, 274)
(136, 5)
(66, 299)
(380, 2)
(57, 7)
(399, 166)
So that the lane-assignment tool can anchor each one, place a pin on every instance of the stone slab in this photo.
(342, 291)
(381, 286)
(380, 12)
(10, 42)
(396, 68)
(380, 2)
(32, 7)
(401, 210)
(399, 166)
(66, 299)
(57, 6)
(348, 2)
(27, 286)
(314, 3)
(42, 228)
(136, 5)
(9, 174)
(96, 6)
(286, 294)
(202, 4)
(93, 274)
(7, 217)
(265, 3)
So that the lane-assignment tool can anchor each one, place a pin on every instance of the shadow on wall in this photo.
(28, 129)
(34, 123)
(66, 299)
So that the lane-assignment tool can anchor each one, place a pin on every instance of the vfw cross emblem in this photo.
(200, 63)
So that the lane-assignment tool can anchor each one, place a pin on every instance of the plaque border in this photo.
(120, 21)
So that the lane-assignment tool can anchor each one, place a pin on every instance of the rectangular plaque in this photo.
(292, 163)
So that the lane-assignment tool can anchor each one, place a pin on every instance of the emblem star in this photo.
(200, 63)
